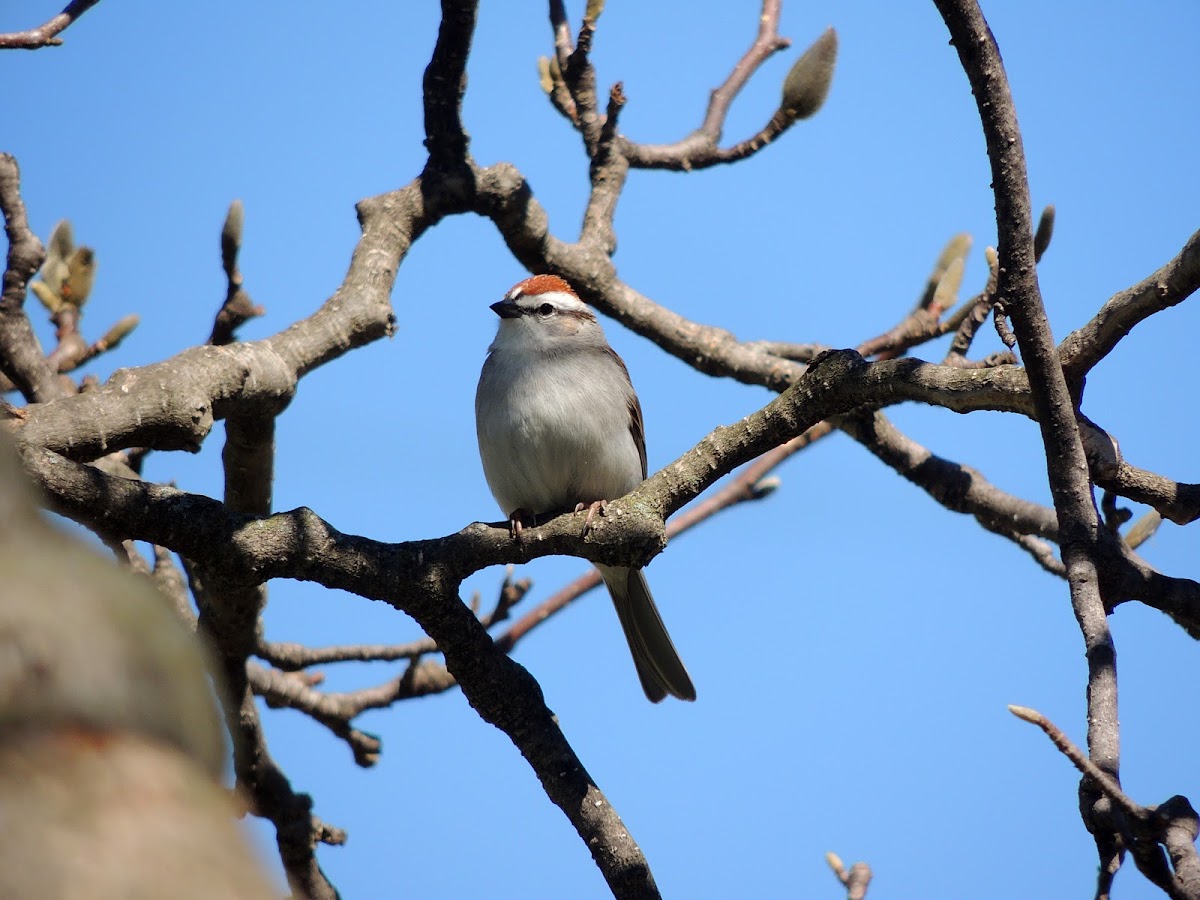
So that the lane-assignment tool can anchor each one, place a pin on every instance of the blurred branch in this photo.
(579, 76)
(855, 879)
(280, 689)
(47, 34)
(266, 788)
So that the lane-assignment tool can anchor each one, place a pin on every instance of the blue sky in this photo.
(853, 644)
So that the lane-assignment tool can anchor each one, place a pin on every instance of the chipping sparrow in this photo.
(559, 424)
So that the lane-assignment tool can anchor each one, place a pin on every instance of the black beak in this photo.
(506, 309)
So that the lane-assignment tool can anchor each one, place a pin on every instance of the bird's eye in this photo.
(545, 310)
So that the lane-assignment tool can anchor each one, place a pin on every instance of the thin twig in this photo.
(47, 34)
(767, 43)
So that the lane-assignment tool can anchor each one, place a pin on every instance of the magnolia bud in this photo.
(46, 295)
(119, 331)
(81, 274)
(1045, 231)
(945, 294)
(54, 269)
(231, 236)
(544, 78)
(807, 83)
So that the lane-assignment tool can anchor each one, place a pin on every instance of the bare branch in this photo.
(21, 358)
(751, 484)
(238, 308)
(292, 657)
(804, 92)
(1083, 348)
(1043, 554)
(955, 486)
(47, 34)
(279, 689)
(608, 170)
(445, 85)
(1174, 824)
(1176, 501)
(855, 879)
(1020, 295)
(1080, 760)
(766, 44)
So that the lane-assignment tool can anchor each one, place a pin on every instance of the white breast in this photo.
(560, 437)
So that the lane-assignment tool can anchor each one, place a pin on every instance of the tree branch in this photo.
(1172, 284)
(47, 34)
(445, 85)
(21, 358)
(1174, 824)
(1018, 291)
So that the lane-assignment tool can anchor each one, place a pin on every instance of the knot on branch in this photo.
(833, 366)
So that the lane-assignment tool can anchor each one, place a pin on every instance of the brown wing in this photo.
(636, 428)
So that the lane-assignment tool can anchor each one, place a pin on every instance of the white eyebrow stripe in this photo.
(557, 299)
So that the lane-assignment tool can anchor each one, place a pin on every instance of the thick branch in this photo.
(445, 85)
(172, 405)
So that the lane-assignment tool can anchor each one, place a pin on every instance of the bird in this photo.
(560, 427)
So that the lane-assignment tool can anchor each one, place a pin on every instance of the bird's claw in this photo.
(596, 506)
(517, 521)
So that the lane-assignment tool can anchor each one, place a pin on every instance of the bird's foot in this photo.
(596, 506)
(519, 520)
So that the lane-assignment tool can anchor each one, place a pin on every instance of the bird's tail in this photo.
(658, 664)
